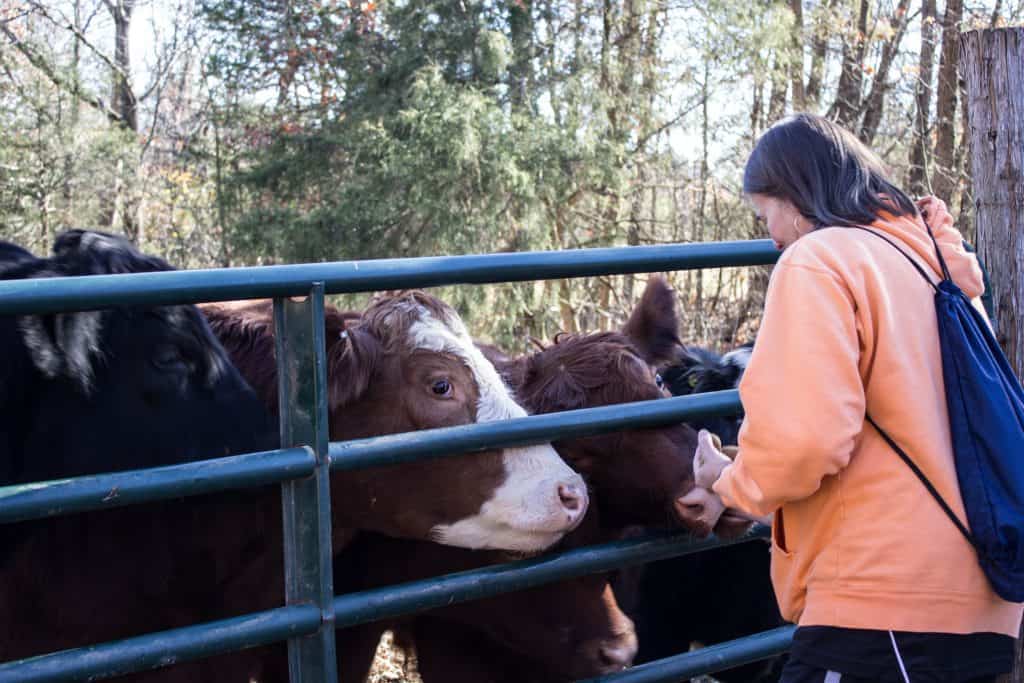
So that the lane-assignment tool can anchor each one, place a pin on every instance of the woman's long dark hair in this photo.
(825, 171)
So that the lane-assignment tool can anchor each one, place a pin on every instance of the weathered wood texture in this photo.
(993, 67)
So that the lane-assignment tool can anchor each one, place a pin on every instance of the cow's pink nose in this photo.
(696, 510)
(573, 497)
(608, 655)
(616, 655)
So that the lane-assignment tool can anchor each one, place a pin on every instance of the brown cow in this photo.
(639, 475)
(449, 652)
(559, 632)
(407, 363)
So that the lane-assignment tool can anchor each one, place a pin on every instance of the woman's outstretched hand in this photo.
(708, 463)
(709, 460)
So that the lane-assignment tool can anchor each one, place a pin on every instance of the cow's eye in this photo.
(170, 359)
(441, 387)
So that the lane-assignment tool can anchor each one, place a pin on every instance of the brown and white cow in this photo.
(407, 363)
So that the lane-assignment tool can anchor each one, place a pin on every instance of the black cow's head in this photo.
(697, 371)
(123, 388)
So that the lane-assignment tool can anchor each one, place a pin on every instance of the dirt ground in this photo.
(392, 666)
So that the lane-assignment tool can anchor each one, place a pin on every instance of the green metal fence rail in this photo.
(302, 466)
(50, 295)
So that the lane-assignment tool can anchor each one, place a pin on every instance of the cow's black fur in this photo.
(124, 388)
(698, 371)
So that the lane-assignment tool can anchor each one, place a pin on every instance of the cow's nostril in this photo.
(570, 496)
(614, 656)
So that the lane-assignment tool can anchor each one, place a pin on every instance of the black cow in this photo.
(11, 254)
(716, 595)
(99, 391)
(697, 371)
(94, 391)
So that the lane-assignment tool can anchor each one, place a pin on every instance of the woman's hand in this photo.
(930, 206)
(708, 461)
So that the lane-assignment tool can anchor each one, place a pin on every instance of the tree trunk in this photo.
(757, 109)
(994, 71)
(701, 215)
(607, 22)
(633, 231)
(993, 67)
(847, 103)
(565, 308)
(123, 95)
(122, 212)
(993, 64)
(796, 64)
(777, 98)
(874, 105)
(69, 155)
(965, 206)
(520, 22)
(994, 20)
(918, 153)
(577, 36)
(819, 50)
(945, 176)
(293, 58)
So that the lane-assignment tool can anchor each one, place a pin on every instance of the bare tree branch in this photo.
(68, 25)
(872, 106)
(668, 124)
(14, 17)
(40, 63)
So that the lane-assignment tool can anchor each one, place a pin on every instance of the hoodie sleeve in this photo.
(802, 392)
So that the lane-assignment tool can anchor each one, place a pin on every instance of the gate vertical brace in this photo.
(306, 503)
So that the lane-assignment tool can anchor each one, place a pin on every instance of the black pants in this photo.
(825, 654)
(798, 672)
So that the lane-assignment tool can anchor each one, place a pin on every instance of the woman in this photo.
(882, 585)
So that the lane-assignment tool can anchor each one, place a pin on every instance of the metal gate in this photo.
(304, 462)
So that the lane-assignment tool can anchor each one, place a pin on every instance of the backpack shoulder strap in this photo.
(938, 252)
(910, 259)
(927, 484)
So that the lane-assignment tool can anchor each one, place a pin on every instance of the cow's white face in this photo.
(541, 498)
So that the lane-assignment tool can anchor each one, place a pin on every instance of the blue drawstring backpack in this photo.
(986, 419)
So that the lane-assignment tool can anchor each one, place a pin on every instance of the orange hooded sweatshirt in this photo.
(857, 541)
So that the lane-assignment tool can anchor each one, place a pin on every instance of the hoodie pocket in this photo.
(788, 590)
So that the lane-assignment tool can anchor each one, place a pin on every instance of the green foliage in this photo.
(443, 173)
(57, 165)
(308, 130)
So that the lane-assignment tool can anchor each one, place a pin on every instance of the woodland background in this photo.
(239, 132)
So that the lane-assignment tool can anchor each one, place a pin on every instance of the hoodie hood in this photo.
(911, 232)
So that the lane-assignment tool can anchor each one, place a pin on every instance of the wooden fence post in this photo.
(993, 68)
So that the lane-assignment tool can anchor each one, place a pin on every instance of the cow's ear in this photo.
(653, 326)
(351, 364)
